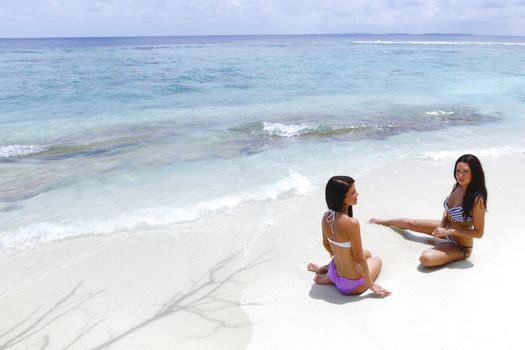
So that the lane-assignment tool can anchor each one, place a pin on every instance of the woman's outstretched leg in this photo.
(416, 225)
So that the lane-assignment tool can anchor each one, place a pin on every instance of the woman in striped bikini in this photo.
(463, 218)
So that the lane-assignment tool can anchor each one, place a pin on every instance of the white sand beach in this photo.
(182, 290)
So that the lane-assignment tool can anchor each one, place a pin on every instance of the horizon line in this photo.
(250, 35)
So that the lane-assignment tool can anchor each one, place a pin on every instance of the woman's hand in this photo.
(440, 232)
(380, 291)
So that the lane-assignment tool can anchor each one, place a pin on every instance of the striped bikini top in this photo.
(330, 219)
(456, 213)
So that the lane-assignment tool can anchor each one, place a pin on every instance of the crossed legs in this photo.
(374, 267)
(443, 253)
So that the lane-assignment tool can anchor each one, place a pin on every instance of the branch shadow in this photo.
(201, 299)
(36, 321)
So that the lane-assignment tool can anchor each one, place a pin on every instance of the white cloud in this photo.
(187, 17)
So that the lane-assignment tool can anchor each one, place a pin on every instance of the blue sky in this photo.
(58, 18)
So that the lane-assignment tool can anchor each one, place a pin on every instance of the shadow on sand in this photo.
(29, 328)
(460, 264)
(409, 236)
(201, 299)
(330, 294)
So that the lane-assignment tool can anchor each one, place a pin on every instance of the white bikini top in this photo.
(339, 244)
(330, 219)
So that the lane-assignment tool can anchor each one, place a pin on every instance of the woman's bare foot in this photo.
(317, 268)
(376, 221)
(322, 279)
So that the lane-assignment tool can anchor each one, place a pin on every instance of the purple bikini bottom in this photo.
(343, 285)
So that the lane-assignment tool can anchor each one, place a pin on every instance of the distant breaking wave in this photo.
(374, 127)
(284, 130)
(439, 113)
(252, 137)
(322, 130)
(20, 150)
(150, 47)
(388, 42)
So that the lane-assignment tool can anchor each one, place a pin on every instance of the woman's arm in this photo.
(478, 221)
(444, 220)
(354, 232)
(360, 261)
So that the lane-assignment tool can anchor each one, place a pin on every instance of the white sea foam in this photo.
(20, 150)
(45, 232)
(494, 152)
(283, 130)
(438, 113)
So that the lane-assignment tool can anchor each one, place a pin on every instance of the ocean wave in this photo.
(439, 113)
(459, 116)
(283, 130)
(20, 150)
(388, 42)
(85, 149)
(149, 47)
(323, 130)
(45, 232)
(253, 137)
(380, 127)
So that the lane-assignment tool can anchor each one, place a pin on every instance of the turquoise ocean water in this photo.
(105, 135)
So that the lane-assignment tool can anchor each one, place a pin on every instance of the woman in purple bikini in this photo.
(463, 218)
(352, 269)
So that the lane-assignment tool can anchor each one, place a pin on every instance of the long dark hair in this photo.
(335, 192)
(476, 188)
